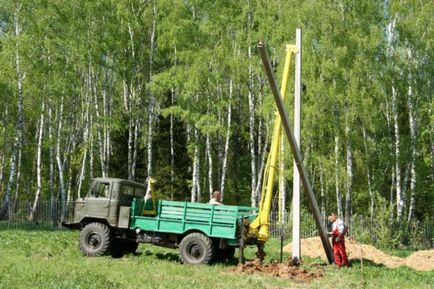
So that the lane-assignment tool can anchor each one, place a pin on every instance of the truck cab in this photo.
(106, 200)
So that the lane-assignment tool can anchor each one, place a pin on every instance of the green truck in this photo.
(117, 215)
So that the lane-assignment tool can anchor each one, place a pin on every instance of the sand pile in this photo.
(420, 260)
(275, 269)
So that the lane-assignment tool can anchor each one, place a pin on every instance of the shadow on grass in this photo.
(117, 254)
(173, 257)
(366, 263)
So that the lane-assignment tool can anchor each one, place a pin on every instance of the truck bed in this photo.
(217, 221)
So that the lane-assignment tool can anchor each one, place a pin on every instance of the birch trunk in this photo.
(130, 145)
(172, 135)
(431, 115)
(262, 168)
(322, 191)
(228, 134)
(392, 197)
(392, 186)
(368, 174)
(53, 197)
(349, 195)
(3, 151)
(106, 94)
(151, 95)
(172, 146)
(60, 164)
(128, 95)
(413, 149)
(195, 188)
(91, 158)
(38, 165)
(253, 195)
(136, 141)
(98, 127)
(210, 165)
(391, 39)
(14, 207)
(337, 185)
(399, 195)
(19, 125)
(85, 143)
(129, 103)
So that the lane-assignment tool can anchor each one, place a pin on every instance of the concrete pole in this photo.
(297, 132)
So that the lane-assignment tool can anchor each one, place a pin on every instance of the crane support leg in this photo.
(296, 152)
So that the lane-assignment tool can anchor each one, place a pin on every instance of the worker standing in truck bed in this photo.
(338, 230)
(216, 198)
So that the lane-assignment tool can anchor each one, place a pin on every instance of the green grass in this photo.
(51, 259)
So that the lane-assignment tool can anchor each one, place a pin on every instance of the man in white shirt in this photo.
(338, 230)
(216, 198)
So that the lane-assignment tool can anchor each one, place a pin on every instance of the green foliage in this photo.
(97, 57)
(383, 226)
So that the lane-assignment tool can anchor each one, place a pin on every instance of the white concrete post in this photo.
(296, 252)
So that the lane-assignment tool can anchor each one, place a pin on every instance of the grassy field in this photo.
(51, 259)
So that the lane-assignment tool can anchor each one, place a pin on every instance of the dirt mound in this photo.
(275, 269)
(420, 260)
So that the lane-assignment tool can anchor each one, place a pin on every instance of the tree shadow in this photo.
(117, 254)
(168, 257)
(366, 262)
(225, 262)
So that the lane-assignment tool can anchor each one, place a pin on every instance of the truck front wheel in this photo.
(95, 239)
(196, 248)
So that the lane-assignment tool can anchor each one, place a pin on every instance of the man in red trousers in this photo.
(338, 230)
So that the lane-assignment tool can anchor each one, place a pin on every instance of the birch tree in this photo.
(38, 164)
(4, 210)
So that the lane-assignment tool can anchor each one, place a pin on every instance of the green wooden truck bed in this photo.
(216, 221)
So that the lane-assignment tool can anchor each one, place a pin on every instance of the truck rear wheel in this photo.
(196, 248)
(95, 239)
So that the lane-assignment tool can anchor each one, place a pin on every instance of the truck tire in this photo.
(196, 248)
(95, 239)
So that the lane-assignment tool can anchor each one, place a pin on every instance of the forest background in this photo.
(174, 89)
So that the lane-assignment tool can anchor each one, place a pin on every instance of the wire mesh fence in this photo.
(47, 216)
(417, 235)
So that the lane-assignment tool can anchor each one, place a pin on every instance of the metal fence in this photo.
(418, 235)
(47, 216)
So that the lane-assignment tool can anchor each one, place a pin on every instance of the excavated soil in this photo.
(420, 260)
(275, 269)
